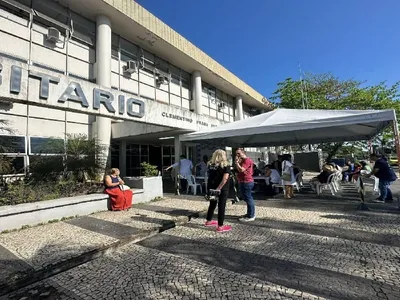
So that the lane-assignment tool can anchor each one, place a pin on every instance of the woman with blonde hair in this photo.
(219, 171)
(120, 198)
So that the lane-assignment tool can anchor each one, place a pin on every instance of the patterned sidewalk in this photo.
(25, 251)
(305, 248)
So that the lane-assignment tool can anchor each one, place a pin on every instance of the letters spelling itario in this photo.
(74, 92)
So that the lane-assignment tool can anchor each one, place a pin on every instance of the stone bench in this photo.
(15, 216)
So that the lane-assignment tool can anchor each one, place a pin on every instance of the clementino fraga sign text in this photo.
(74, 93)
(176, 117)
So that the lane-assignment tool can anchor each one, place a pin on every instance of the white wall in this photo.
(76, 58)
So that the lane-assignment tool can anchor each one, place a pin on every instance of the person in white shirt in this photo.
(272, 177)
(203, 166)
(185, 170)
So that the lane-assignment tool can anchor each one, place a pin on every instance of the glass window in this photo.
(54, 11)
(166, 150)
(144, 158)
(128, 48)
(18, 164)
(12, 144)
(114, 154)
(132, 149)
(175, 79)
(40, 145)
(144, 150)
(148, 60)
(162, 65)
(166, 161)
(84, 29)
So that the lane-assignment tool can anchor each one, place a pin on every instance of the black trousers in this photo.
(184, 184)
(221, 208)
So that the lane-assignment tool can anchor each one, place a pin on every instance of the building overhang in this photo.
(136, 24)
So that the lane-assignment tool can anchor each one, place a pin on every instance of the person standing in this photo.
(288, 177)
(244, 167)
(185, 170)
(203, 166)
(219, 171)
(386, 176)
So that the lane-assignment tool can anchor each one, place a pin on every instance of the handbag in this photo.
(124, 187)
(286, 175)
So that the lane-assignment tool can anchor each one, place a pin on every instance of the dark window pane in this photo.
(135, 161)
(166, 150)
(133, 172)
(19, 164)
(12, 144)
(46, 164)
(144, 158)
(132, 149)
(114, 154)
(166, 161)
(144, 150)
(39, 145)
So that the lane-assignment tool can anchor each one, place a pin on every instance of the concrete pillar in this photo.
(239, 108)
(177, 151)
(122, 157)
(103, 78)
(197, 92)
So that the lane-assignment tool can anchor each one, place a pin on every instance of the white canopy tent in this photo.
(297, 126)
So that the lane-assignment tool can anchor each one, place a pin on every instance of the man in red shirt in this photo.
(244, 166)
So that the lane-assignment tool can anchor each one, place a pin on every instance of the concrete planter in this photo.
(15, 216)
(152, 186)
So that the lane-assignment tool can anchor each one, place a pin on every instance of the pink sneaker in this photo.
(224, 228)
(211, 223)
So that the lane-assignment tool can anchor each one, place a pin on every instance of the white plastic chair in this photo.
(191, 180)
(279, 185)
(336, 180)
(329, 184)
(299, 179)
(375, 185)
(205, 182)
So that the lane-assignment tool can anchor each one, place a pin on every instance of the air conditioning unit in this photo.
(53, 35)
(162, 80)
(221, 106)
(130, 67)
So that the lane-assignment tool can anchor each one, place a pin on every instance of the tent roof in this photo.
(297, 126)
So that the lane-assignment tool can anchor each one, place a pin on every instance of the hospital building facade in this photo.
(109, 69)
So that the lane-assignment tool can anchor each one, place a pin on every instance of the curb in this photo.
(59, 267)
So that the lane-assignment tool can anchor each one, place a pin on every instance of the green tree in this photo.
(6, 166)
(325, 91)
(78, 158)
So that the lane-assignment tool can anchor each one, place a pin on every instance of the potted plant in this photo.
(150, 182)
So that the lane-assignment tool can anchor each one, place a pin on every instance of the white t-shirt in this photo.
(186, 167)
(203, 168)
(275, 177)
(286, 168)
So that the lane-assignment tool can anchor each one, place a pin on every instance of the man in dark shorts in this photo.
(386, 176)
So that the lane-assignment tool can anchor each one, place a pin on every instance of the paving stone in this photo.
(296, 249)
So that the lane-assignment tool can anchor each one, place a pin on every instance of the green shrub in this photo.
(149, 170)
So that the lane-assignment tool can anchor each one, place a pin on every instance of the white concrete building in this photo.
(109, 69)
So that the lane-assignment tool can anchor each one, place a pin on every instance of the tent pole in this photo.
(396, 140)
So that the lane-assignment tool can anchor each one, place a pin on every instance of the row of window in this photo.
(53, 14)
(17, 145)
(161, 156)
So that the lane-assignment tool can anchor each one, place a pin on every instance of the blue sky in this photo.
(262, 41)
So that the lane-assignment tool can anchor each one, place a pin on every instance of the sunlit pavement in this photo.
(305, 248)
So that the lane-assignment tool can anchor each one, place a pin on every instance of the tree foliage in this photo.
(325, 91)
(77, 158)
